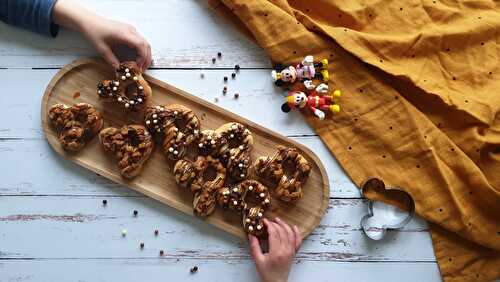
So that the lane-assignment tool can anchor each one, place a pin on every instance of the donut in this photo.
(231, 198)
(129, 88)
(251, 198)
(180, 127)
(132, 145)
(238, 164)
(77, 124)
(288, 169)
(184, 173)
(235, 153)
(203, 165)
(210, 143)
(195, 176)
(204, 203)
(252, 221)
(157, 119)
(256, 194)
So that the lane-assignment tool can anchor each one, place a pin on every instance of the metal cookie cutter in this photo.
(382, 217)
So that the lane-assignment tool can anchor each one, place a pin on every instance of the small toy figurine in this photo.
(317, 101)
(304, 72)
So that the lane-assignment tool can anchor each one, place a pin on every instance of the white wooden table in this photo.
(53, 226)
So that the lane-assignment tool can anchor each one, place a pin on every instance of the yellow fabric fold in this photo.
(421, 105)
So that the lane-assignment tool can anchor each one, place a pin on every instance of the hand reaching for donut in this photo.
(284, 242)
(103, 34)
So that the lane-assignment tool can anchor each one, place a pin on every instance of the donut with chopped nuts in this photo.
(132, 146)
(253, 221)
(179, 134)
(288, 169)
(129, 88)
(77, 124)
(204, 203)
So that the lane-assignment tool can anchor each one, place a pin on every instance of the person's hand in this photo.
(103, 34)
(284, 242)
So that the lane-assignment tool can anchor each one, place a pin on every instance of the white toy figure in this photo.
(304, 72)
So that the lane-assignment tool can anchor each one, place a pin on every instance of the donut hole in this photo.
(181, 124)
(132, 91)
(235, 142)
(289, 168)
(209, 174)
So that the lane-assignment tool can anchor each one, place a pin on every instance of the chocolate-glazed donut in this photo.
(252, 221)
(129, 88)
(210, 143)
(231, 198)
(235, 153)
(77, 124)
(179, 134)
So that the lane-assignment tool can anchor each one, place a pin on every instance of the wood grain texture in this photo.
(156, 179)
(194, 33)
(82, 228)
(172, 269)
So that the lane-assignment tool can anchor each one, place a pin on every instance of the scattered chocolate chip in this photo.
(213, 60)
(156, 232)
(216, 99)
(104, 202)
(233, 75)
(136, 212)
(237, 67)
(142, 245)
(225, 78)
(219, 54)
(162, 252)
(236, 95)
(194, 269)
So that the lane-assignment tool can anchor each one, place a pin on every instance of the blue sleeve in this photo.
(34, 15)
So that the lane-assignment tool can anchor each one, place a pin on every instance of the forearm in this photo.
(34, 15)
(69, 14)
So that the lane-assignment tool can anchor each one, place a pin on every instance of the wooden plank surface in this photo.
(194, 33)
(209, 270)
(53, 226)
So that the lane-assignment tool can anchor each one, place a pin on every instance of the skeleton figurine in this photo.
(304, 72)
(317, 101)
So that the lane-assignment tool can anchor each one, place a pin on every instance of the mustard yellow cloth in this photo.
(420, 110)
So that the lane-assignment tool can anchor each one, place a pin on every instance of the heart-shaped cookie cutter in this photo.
(394, 218)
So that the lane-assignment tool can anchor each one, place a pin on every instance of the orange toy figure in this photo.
(317, 101)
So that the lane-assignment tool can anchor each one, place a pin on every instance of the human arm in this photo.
(102, 33)
(284, 242)
(34, 15)
(45, 16)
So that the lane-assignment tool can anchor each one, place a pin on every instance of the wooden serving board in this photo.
(76, 82)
